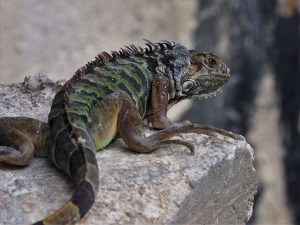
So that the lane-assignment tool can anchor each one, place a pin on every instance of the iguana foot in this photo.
(195, 128)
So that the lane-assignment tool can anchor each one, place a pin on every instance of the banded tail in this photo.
(86, 178)
(74, 152)
(81, 201)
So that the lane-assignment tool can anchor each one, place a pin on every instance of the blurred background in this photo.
(258, 39)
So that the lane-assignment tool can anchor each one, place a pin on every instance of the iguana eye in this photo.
(188, 85)
(212, 61)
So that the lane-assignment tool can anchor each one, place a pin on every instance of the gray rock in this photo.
(216, 185)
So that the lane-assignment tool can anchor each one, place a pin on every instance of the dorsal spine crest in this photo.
(104, 58)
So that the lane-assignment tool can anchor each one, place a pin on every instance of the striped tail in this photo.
(86, 178)
(73, 150)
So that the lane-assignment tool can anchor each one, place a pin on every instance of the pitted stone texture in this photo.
(31, 98)
(216, 185)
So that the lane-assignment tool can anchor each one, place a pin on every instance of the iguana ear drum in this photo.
(188, 85)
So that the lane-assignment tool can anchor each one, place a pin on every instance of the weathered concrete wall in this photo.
(170, 186)
(58, 37)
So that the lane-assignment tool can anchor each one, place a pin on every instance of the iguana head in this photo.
(191, 73)
(205, 75)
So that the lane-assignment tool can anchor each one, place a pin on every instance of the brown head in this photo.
(206, 74)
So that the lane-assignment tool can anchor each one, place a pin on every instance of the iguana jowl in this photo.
(112, 95)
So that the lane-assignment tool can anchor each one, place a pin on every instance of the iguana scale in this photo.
(113, 95)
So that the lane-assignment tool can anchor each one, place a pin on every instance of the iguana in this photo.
(111, 96)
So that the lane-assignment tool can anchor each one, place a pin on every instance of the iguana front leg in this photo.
(131, 129)
(159, 102)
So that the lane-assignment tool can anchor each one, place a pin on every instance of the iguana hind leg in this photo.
(131, 130)
(21, 151)
(20, 137)
(117, 113)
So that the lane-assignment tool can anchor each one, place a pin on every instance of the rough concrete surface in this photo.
(170, 186)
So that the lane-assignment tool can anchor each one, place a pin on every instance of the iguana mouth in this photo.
(220, 77)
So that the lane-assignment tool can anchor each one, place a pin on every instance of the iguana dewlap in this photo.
(113, 95)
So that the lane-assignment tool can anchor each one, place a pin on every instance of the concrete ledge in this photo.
(170, 186)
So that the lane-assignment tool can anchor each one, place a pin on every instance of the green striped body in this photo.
(130, 75)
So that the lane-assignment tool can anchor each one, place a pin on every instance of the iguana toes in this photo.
(112, 95)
